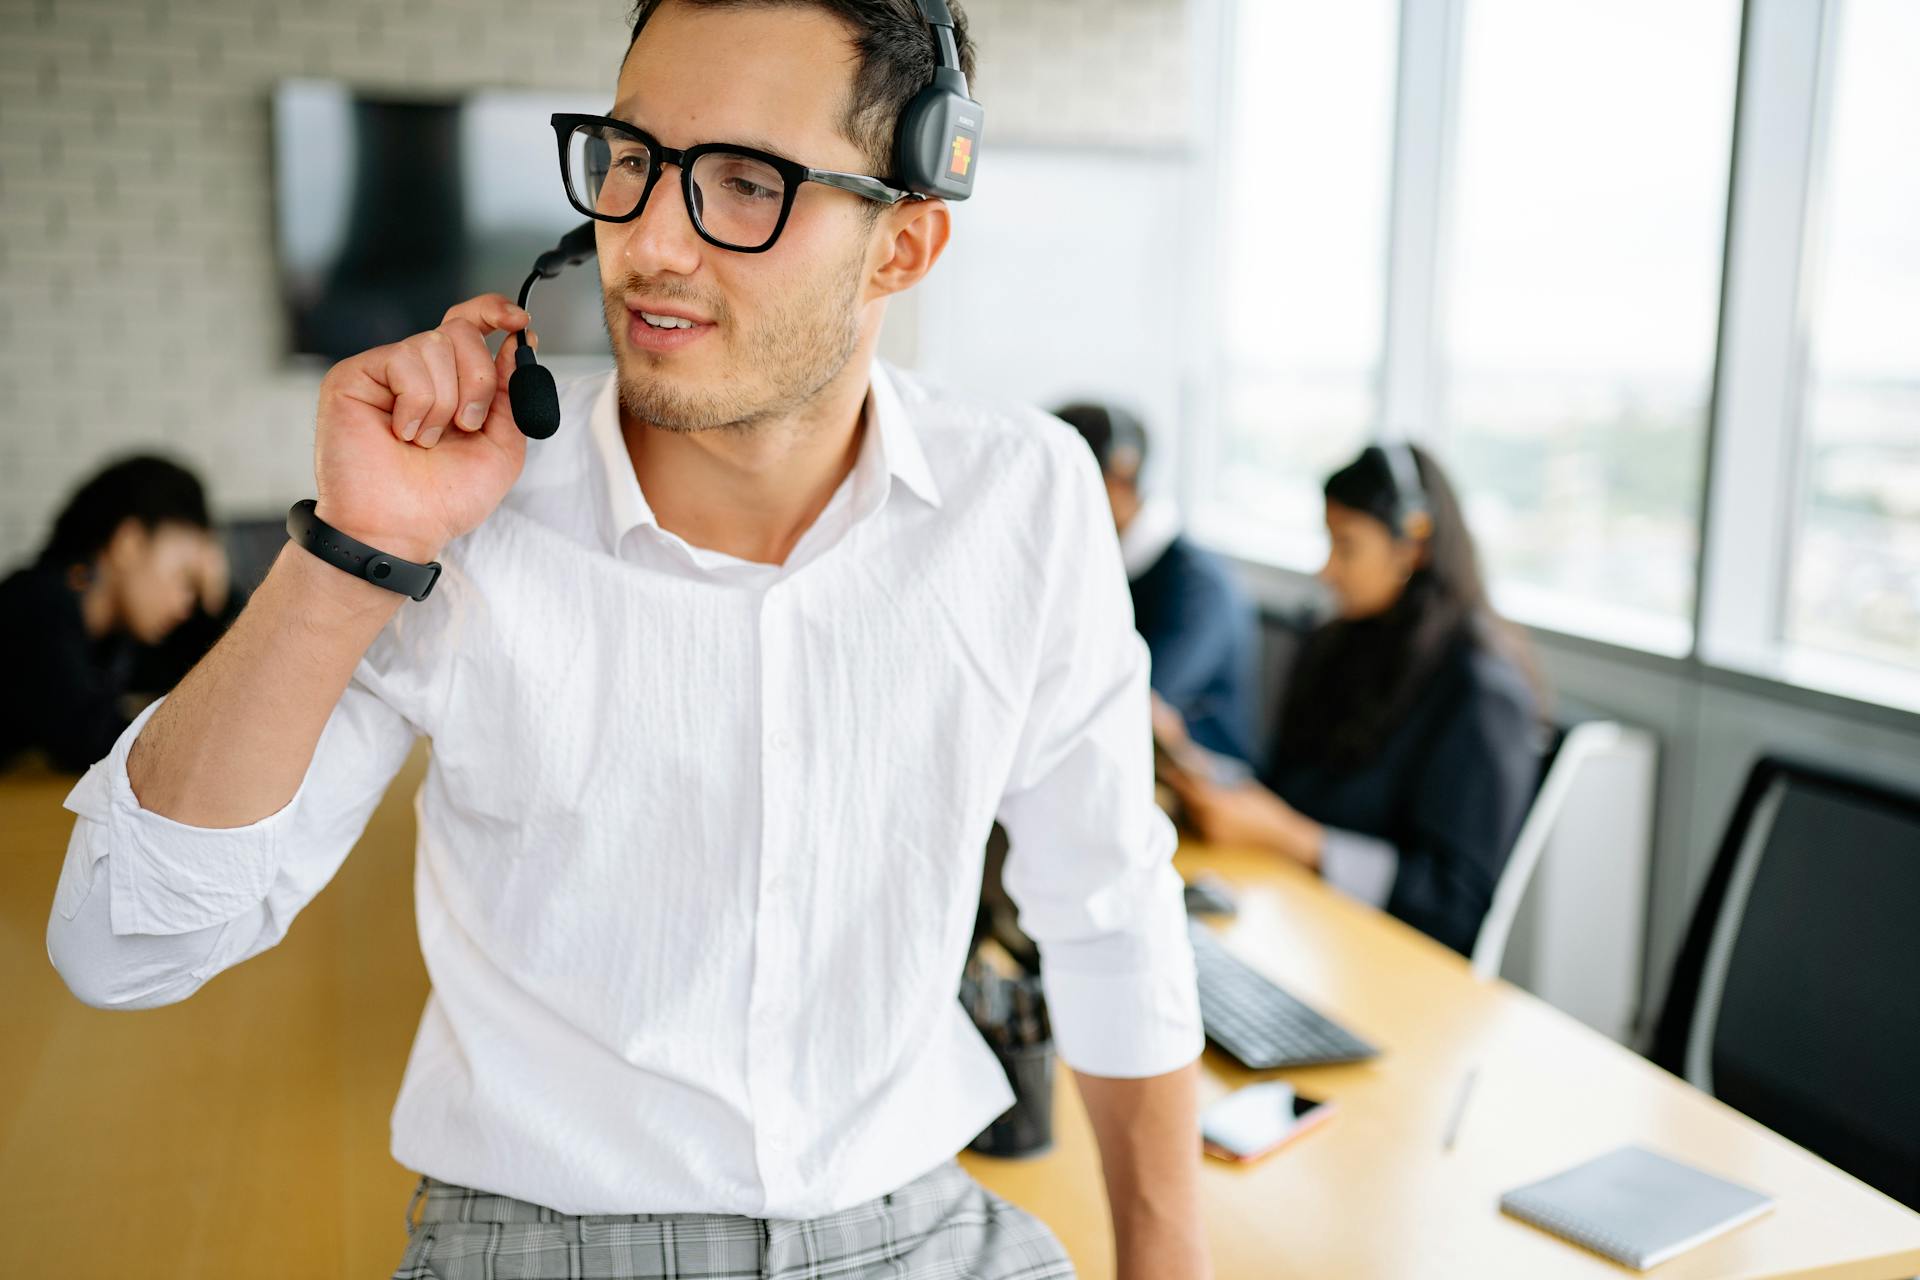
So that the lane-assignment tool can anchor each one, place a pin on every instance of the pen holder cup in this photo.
(1025, 1128)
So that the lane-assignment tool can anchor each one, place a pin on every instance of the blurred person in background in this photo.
(87, 627)
(1408, 739)
(1198, 626)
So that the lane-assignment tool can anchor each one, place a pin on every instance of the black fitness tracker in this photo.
(356, 557)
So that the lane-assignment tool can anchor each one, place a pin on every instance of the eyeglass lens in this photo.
(737, 199)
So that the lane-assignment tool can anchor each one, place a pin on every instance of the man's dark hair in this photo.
(895, 54)
(147, 488)
(1109, 431)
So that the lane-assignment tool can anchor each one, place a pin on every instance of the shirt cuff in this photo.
(166, 877)
(1134, 1021)
(1362, 867)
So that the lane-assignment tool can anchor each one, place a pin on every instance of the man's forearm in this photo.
(1149, 1136)
(232, 742)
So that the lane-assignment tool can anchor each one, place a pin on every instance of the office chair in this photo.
(1796, 996)
(1566, 764)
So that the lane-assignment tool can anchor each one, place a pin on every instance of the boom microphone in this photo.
(530, 389)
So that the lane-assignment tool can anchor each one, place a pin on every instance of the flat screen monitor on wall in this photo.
(390, 208)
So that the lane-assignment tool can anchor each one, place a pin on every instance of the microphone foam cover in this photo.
(535, 401)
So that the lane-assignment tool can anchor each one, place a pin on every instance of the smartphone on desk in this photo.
(1258, 1120)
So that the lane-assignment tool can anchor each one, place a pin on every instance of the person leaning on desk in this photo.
(1408, 739)
(726, 683)
(130, 588)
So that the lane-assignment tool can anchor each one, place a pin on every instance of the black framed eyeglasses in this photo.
(738, 197)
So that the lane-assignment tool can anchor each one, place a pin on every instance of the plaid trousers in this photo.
(941, 1226)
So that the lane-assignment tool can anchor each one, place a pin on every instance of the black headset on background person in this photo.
(934, 154)
(1410, 495)
(1115, 435)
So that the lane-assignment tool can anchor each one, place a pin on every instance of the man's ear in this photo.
(911, 236)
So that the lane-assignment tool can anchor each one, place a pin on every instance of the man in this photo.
(726, 684)
(131, 562)
(1198, 626)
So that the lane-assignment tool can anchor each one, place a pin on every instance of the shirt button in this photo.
(783, 741)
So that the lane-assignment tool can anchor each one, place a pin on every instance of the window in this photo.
(1580, 301)
(1304, 170)
(1855, 573)
(1550, 315)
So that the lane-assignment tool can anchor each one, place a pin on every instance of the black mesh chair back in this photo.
(1796, 997)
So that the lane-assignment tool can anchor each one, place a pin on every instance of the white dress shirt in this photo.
(701, 840)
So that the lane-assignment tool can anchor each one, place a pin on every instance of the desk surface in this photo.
(1373, 1194)
(248, 1123)
(251, 1121)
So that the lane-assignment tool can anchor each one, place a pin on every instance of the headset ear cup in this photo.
(935, 150)
(917, 171)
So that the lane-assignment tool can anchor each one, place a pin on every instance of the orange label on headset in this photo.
(962, 155)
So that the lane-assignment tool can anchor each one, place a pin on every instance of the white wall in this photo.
(1067, 282)
(136, 232)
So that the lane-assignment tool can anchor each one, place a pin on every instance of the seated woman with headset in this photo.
(1408, 739)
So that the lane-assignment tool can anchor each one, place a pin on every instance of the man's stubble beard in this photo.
(795, 352)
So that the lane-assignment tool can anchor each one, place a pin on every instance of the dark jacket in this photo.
(68, 693)
(1448, 789)
(1204, 640)
(64, 688)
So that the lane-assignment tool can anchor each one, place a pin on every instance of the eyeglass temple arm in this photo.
(861, 185)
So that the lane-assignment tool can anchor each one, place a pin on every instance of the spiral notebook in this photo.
(1635, 1207)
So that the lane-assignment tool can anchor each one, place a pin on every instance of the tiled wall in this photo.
(136, 237)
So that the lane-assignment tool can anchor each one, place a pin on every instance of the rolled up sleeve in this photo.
(166, 877)
(1089, 858)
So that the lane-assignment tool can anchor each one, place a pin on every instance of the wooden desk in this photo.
(250, 1122)
(1372, 1193)
(239, 1133)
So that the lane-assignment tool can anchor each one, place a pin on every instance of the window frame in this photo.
(1213, 29)
(1751, 507)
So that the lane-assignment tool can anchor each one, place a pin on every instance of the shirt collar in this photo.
(627, 507)
(900, 446)
(1148, 535)
(890, 447)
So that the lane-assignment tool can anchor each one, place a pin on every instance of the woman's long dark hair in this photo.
(1356, 679)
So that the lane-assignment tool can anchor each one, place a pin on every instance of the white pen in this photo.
(1459, 1109)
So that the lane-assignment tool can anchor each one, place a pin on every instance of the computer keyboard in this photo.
(1257, 1022)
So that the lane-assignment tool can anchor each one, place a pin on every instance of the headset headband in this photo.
(936, 150)
(1403, 467)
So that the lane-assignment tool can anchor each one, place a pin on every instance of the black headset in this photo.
(1108, 429)
(1410, 496)
(935, 153)
(939, 133)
